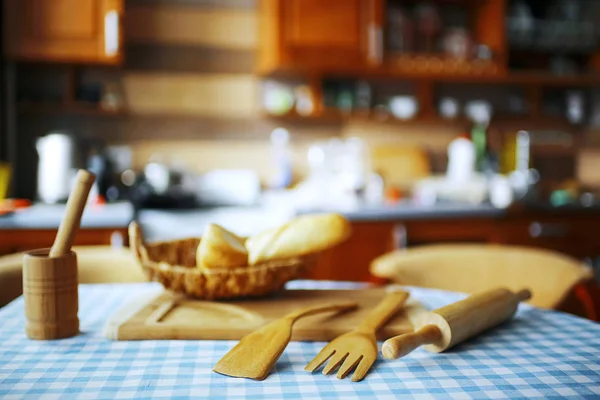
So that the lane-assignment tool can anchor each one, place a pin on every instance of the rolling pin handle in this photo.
(401, 345)
(523, 294)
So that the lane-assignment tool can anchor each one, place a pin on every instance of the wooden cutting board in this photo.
(169, 316)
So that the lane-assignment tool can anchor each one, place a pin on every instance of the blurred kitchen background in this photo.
(422, 121)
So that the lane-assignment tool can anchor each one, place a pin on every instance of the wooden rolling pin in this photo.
(72, 219)
(447, 326)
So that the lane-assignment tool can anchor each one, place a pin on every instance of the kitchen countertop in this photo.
(245, 221)
(173, 224)
(408, 211)
(160, 225)
(48, 216)
(157, 224)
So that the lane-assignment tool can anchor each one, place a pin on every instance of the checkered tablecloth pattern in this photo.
(541, 354)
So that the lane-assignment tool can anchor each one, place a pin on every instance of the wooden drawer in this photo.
(475, 230)
(577, 237)
(350, 260)
(15, 240)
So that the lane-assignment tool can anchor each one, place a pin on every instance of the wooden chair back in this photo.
(472, 268)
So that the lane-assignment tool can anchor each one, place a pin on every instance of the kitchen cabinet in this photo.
(70, 31)
(316, 37)
(17, 240)
(350, 260)
(570, 234)
(474, 230)
(574, 236)
(324, 35)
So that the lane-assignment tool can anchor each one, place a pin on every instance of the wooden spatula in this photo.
(358, 348)
(256, 353)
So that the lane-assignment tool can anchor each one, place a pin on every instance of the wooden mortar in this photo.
(50, 291)
(50, 275)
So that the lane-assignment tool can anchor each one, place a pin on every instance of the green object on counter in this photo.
(345, 100)
(561, 198)
(5, 172)
(479, 139)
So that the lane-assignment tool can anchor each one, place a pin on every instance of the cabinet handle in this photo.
(111, 33)
(400, 238)
(375, 47)
(541, 230)
(117, 240)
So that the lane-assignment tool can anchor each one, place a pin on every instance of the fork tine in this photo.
(333, 363)
(362, 369)
(349, 363)
(320, 358)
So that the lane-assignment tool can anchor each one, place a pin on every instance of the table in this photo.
(541, 354)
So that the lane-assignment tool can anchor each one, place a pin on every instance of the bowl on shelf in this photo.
(403, 107)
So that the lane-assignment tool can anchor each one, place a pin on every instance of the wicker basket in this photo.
(173, 264)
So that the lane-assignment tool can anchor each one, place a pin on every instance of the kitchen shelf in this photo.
(547, 79)
(333, 115)
(488, 75)
(526, 78)
(539, 121)
(294, 116)
(78, 108)
(439, 65)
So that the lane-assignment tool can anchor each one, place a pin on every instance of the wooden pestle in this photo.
(447, 326)
(72, 219)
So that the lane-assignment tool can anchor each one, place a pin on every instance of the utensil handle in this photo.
(75, 206)
(136, 240)
(384, 310)
(321, 309)
(401, 345)
(523, 294)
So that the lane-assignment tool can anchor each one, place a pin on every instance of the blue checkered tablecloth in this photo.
(541, 354)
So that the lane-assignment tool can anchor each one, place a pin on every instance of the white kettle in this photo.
(461, 161)
(56, 166)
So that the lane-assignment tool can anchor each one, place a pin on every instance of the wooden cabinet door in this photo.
(86, 31)
(335, 33)
(350, 260)
(16, 240)
(575, 236)
(451, 230)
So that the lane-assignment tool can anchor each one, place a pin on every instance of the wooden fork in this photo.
(358, 348)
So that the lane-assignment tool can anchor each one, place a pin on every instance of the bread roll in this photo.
(300, 236)
(220, 248)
